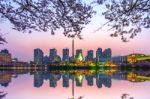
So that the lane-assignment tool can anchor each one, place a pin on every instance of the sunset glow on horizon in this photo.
(21, 45)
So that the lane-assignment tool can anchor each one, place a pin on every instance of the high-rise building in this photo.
(65, 54)
(46, 60)
(90, 55)
(107, 54)
(98, 54)
(5, 56)
(38, 56)
(53, 54)
(78, 51)
(79, 55)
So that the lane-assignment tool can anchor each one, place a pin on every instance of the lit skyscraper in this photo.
(98, 54)
(46, 60)
(38, 56)
(107, 54)
(79, 55)
(90, 55)
(53, 54)
(65, 54)
(78, 51)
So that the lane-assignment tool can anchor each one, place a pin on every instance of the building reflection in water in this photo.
(53, 79)
(38, 79)
(65, 78)
(100, 79)
(90, 80)
(6, 76)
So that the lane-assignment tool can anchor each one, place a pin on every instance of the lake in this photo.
(75, 84)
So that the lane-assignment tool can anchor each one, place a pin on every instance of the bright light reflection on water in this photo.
(99, 86)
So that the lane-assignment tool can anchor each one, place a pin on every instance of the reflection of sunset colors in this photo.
(19, 90)
(137, 57)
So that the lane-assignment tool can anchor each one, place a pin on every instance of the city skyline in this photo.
(100, 55)
(21, 44)
(103, 57)
(84, 52)
(53, 78)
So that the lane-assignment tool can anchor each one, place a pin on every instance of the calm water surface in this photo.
(23, 84)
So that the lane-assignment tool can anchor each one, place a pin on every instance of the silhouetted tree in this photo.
(44, 15)
(125, 17)
(2, 40)
(126, 96)
(2, 95)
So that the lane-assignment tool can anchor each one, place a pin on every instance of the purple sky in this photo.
(21, 45)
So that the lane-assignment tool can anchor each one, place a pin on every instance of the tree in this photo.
(2, 40)
(2, 95)
(44, 15)
(125, 17)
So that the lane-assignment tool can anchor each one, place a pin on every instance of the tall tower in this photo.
(53, 54)
(99, 54)
(65, 54)
(90, 55)
(107, 54)
(73, 49)
(38, 56)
